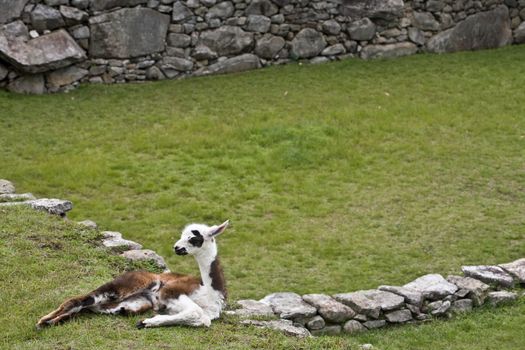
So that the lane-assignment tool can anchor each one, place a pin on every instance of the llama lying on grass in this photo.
(178, 299)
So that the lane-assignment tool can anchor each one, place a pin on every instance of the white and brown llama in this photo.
(177, 299)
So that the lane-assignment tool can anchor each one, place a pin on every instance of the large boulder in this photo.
(227, 40)
(268, 46)
(489, 274)
(485, 30)
(47, 52)
(433, 286)
(65, 76)
(388, 51)
(10, 9)
(363, 29)
(45, 17)
(289, 305)
(371, 302)
(307, 43)
(330, 309)
(516, 268)
(381, 9)
(130, 32)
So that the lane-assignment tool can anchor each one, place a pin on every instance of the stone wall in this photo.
(52, 45)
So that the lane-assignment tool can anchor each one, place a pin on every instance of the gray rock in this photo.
(65, 76)
(154, 73)
(516, 268)
(416, 36)
(115, 241)
(489, 274)
(145, 254)
(331, 27)
(317, 322)
(425, 21)
(261, 7)
(111, 33)
(222, 10)
(28, 84)
(433, 286)
(72, 15)
(3, 72)
(501, 298)
(81, 32)
(353, 326)
(202, 52)
(289, 305)
(519, 34)
(399, 316)
(52, 206)
(374, 324)
(366, 347)
(179, 40)
(45, 17)
(319, 60)
(363, 29)
(178, 63)
(388, 51)
(80, 4)
(285, 326)
(56, 2)
(15, 30)
(330, 309)
(439, 308)
(462, 306)
(435, 5)
(99, 5)
(307, 43)
(89, 224)
(328, 330)
(334, 50)
(361, 317)
(10, 9)
(251, 308)
(484, 30)
(477, 290)
(227, 40)
(181, 13)
(381, 9)
(15, 197)
(411, 296)
(6, 187)
(371, 302)
(269, 46)
(258, 23)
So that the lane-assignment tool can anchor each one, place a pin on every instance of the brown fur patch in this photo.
(176, 285)
(127, 284)
(217, 277)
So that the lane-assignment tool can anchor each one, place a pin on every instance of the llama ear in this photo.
(217, 230)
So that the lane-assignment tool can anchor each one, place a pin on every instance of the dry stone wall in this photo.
(53, 45)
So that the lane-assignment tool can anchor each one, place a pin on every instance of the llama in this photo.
(176, 299)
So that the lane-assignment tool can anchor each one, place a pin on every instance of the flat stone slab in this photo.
(371, 302)
(399, 316)
(489, 274)
(251, 308)
(433, 286)
(388, 51)
(47, 52)
(381, 9)
(16, 197)
(477, 290)
(501, 297)
(411, 296)
(145, 254)
(516, 268)
(330, 309)
(289, 305)
(51, 205)
(6, 187)
(115, 241)
(353, 326)
(10, 9)
(285, 326)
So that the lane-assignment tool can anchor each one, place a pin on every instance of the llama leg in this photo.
(184, 312)
(66, 309)
(130, 306)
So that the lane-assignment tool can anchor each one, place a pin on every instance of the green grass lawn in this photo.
(335, 177)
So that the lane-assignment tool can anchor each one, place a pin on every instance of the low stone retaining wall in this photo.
(421, 300)
(53, 45)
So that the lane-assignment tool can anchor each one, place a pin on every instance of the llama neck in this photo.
(210, 268)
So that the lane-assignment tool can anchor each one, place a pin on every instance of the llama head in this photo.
(199, 239)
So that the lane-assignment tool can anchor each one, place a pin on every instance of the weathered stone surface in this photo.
(33, 84)
(15, 30)
(235, 64)
(227, 40)
(128, 33)
(15, 197)
(516, 268)
(251, 308)
(145, 254)
(289, 305)
(399, 316)
(285, 326)
(45, 17)
(331, 27)
(89, 224)
(222, 10)
(433, 286)
(114, 240)
(501, 297)
(72, 15)
(334, 50)
(307, 43)
(477, 290)
(489, 274)
(353, 326)
(52, 206)
(202, 52)
(381, 9)
(47, 52)
(6, 187)
(416, 36)
(328, 330)
(462, 305)
(363, 29)
(317, 322)
(330, 309)
(484, 30)
(99, 5)
(411, 296)
(258, 23)
(388, 51)
(177, 63)
(180, 13)
(371, 302)
(374, 324)
(519, 34)
(261, 7)
(10, 9)
(65, 76)
(179, 40)
(425, 21)
(435, 5)
(439, 308)
(269, 46)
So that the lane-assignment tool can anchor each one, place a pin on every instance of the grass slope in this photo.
(336, 177)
